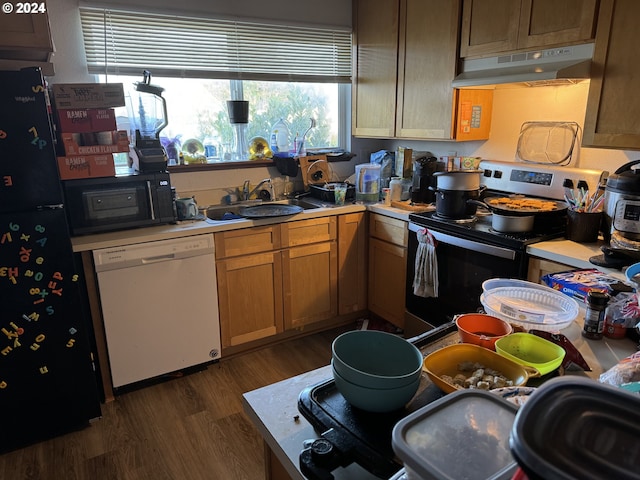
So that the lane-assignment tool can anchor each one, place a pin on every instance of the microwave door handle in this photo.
(151, 205)
(468, 244)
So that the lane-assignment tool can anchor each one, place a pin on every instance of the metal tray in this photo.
(275, 210)
(547, 142)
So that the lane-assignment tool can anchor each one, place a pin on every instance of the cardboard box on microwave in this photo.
(94, 143)
(86, 120)
(88, 95)
(86, 166)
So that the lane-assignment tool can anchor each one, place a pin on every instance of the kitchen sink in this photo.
(221, 213)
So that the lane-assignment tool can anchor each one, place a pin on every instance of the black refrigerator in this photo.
(47, 381)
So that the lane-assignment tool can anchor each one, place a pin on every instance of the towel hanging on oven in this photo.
(425, 279)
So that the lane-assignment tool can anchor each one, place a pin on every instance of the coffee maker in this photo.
(423, 170)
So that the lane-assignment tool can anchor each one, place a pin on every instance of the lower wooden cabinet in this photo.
(388, 239)
(352, 263)
(539, 267)
(249, 297)
(276, 278)
(310, 280)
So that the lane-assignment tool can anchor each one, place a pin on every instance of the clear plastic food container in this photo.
(464, 435)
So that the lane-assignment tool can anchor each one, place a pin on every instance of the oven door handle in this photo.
(467, 244)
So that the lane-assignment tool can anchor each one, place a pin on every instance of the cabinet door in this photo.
(489, 26)
(352, 263)
(375, 65)
(556, 22)
(249, 297)
(612, 119)
(387, 280)
(25, 36)
(427, 64)
(310, 281)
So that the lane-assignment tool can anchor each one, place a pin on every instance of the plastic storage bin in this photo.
(464, 435)
(531, 308)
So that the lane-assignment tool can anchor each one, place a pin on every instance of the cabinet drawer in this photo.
(305, 232)
(247, 241)
(389, 229)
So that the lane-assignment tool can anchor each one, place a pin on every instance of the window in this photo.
(296, 73)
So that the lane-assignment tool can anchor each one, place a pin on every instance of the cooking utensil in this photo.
(531, 350)
(456, 204)
(481, 329)
(512, 223)
(513, 209)
(621, 198)
(270, 210)
(458, 180)
(447, 361)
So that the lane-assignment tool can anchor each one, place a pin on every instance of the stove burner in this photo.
(459, 221)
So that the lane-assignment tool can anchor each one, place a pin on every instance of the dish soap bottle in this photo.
(279, 141)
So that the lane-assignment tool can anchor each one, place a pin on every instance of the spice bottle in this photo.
(594, 318)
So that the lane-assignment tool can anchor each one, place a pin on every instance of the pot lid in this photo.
(625, 179)
(458, 172)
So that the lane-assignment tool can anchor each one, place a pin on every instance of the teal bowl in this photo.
(377, 400)
(374, 359)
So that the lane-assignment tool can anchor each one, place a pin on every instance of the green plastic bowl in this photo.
(375, 399)
(370, 358)
(531, 350)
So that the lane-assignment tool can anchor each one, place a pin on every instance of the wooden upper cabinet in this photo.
(499, 26)
(489, 26)
(427, 65)
(613, 103)
(25, 40)
(405, 58)
(375, 65)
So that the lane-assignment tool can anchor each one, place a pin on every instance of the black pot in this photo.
(453, 203)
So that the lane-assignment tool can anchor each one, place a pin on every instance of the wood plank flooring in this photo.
(191, 428)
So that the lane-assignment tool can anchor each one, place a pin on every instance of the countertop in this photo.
(273, 409)
(198, 227)
(574, 254)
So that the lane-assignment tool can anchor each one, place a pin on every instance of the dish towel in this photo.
(425, 279)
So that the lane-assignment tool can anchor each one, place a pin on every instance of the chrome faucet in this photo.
(247, 194)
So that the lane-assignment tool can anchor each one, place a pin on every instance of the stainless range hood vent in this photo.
(541, 67)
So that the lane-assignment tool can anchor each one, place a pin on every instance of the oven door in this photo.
(463, 265)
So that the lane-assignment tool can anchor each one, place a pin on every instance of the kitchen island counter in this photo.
(273, 409)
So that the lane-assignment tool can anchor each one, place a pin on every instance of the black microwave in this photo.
(97, 205)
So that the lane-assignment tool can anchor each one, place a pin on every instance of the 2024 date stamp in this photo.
(28, 8)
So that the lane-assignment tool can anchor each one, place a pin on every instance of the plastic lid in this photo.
(591, 434)
(462, 435)
(625, 179)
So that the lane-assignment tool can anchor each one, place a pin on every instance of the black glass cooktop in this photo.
(546, 227)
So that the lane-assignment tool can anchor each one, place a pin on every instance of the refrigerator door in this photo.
(28, 169)
(47, 381)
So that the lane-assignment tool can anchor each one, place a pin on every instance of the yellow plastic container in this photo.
(446, 361)
(531, 350)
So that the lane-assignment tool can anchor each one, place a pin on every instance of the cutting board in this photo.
(407, 205)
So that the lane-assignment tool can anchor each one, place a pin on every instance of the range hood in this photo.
(555, 65)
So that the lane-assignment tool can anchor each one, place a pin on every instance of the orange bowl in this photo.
(481, 329)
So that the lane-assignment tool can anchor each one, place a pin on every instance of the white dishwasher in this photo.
(159, 306)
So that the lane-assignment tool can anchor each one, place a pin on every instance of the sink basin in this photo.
(221, 213)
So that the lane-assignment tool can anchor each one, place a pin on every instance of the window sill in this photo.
(199, 167)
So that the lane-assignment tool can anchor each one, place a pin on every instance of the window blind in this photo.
(123, 42)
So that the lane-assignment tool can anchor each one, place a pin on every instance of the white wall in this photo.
(514, 105)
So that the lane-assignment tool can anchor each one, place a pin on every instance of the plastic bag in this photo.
(386, 160)
(626, 371)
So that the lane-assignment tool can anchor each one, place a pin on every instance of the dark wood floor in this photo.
(191, 428)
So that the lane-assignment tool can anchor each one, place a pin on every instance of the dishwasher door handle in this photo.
(158, 258)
